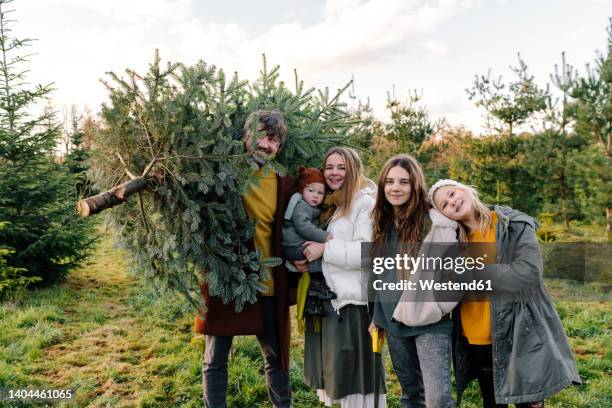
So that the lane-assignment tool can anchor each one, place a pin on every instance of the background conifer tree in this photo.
(551, 154)
(593, 110)
(413, 130)
(511, 104)
(42, 231)
(77, 129)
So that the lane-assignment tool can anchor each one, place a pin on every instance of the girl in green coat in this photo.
(513, 344)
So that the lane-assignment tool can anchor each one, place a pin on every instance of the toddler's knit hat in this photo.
(308, 176)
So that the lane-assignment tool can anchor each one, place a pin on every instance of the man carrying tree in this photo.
(268, 318)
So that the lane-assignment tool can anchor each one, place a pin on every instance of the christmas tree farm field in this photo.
(102, 334)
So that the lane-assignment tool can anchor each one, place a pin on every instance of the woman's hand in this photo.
(301, 266)
(313, 250)
(381, 333)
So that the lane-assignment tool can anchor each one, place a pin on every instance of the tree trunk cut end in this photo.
(83, 208)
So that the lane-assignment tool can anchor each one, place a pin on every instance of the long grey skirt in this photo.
(339, 358)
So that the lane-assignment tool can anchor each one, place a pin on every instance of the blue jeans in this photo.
(422, 364)
(214, 365)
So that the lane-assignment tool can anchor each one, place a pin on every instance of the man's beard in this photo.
(262, 156)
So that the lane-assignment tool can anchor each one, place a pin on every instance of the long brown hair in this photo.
(354, 175)
(414, 214)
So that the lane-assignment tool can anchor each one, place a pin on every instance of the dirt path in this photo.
(96, 345)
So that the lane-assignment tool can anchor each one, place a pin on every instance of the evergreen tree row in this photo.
(548, 150)
(41, 238)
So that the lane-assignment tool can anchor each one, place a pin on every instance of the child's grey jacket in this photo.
(301, 223)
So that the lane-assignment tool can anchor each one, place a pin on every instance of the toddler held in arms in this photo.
(301, 224)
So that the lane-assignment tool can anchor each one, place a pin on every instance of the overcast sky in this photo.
(437, 46)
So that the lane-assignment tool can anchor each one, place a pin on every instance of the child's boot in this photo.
(313, 306)
(320, 289)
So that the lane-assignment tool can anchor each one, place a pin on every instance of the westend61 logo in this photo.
(408, 263)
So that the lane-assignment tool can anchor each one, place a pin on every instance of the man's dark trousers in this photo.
(214, 366)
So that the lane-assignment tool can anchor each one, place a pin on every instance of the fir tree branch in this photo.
(125, 167)
(149, 167)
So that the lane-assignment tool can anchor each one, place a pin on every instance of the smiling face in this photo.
(313, 194)
(454, 202)
(397, 187)
(334, 171)
(265, 146)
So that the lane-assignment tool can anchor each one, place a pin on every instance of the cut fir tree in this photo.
(173, 139)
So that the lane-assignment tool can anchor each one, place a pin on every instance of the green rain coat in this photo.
(532, 358)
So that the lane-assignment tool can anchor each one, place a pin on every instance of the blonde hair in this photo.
(354, 175)
(481, 213)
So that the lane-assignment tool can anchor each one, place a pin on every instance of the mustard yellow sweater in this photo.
(260, 205)
(476, 316)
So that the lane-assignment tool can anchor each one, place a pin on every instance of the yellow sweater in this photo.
(476, 316)
(260, 205)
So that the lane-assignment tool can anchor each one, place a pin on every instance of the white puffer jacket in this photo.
(342, 256)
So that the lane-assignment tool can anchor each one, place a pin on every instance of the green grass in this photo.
(103, 334)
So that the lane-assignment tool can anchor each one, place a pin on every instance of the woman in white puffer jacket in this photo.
(342, 255)
(338, 358)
